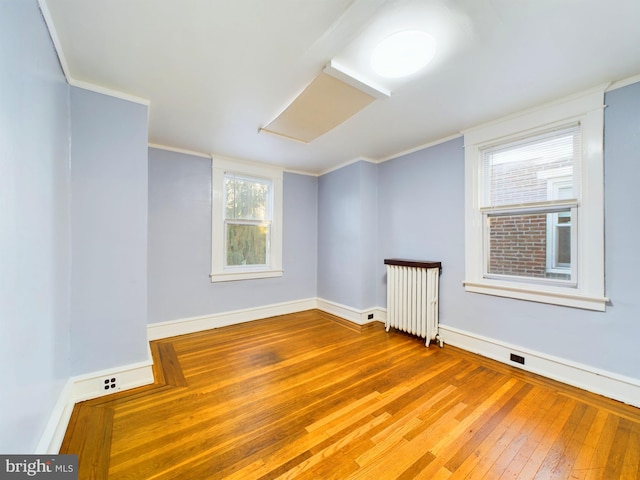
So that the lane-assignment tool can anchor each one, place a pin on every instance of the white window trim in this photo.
(586, 108)
(220, 273)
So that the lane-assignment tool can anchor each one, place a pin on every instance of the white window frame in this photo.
(588, 291)
(220, 272)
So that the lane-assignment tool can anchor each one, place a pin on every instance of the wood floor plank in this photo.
(589, 445)
(528, 417)
(631, 464)
(331, 448)
(309, 396)
(615, 460)
(487, 424)
(93, 450)
(415, 469)
(172, 370)
(545, 443)
(557, 462)
(605, 442)
(485, 457)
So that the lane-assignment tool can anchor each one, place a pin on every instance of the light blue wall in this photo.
(34, 227)
(421, 216)
(108, 232)
(180, 243)
(369, 232)
(347, 243)
(421, 206)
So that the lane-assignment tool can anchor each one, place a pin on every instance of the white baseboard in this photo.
(51, 439)
(183, 326)
(360, 317)
(92, 385)
(608, 384)
(85, 387)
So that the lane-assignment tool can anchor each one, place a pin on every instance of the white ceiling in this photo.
(215, 71)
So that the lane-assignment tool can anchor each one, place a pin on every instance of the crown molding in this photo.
(55, 39)
(623, 83)
(107, 91)
(420, 147)
(167, 148)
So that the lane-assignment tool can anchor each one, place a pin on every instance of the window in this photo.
(527, 224)
(248, 215)
(534, 206)
(246, 221)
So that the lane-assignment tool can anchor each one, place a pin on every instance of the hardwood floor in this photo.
(304, 396)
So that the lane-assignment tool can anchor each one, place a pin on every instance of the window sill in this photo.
(243, 275)
(532, 294)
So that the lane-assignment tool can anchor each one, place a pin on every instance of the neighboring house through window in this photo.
(534, 206)
(560, 237)
(246, 221)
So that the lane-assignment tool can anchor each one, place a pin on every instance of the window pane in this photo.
(247, 244)
(247, 198)
(563, 251)
(521, 245)
(520, 172)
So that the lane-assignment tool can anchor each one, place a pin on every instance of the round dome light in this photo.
(403, 53)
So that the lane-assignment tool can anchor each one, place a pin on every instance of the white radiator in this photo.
(412, 298)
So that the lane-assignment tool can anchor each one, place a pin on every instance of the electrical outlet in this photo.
(111, 383)
(370, 316)
(517, 358)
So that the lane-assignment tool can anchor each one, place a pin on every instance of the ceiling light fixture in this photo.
(403, 53)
